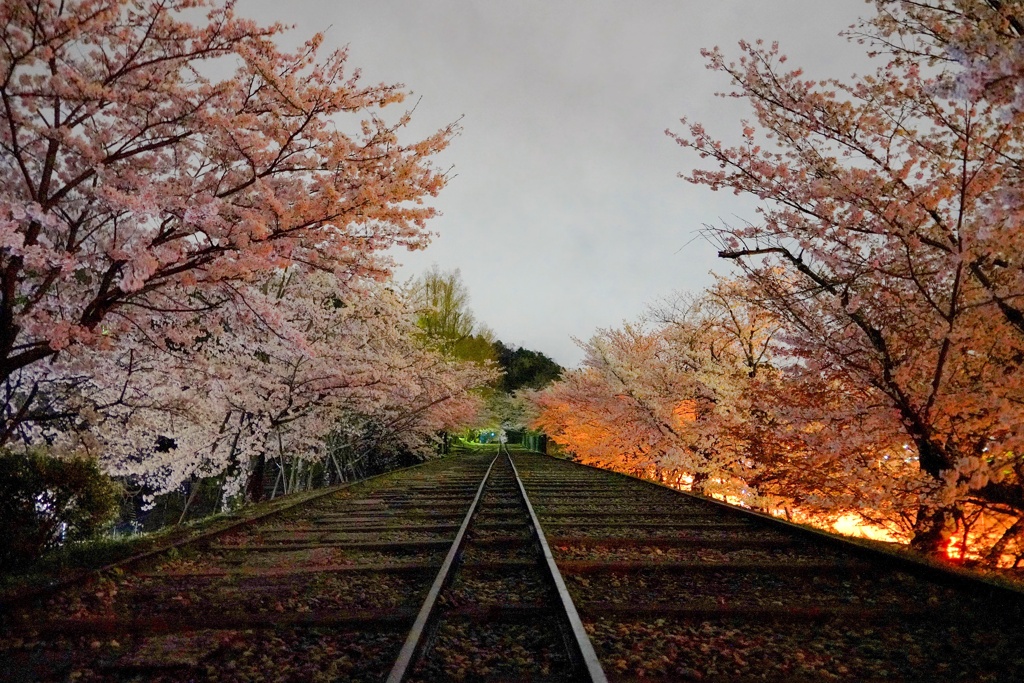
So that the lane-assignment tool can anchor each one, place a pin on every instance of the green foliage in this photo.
(477, 348)
(45, 501)
(445, 319)
(525, 368)
(442, 306)
(447, 324)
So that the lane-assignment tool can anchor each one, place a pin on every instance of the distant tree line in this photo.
(448, 325)
(524, 368)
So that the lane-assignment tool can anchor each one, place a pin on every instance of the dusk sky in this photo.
(566, 214)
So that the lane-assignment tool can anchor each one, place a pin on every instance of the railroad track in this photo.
(417, 576)
(498, 608)
(442, 573)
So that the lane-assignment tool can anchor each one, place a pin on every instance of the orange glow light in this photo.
(851, 524)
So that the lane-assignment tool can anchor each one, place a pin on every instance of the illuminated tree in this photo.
(978, 45)
(445, 319)
(877, 243)
(666, 397)
(307, 364)
(136, 184)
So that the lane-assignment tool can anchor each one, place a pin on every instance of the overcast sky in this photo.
(566, 213)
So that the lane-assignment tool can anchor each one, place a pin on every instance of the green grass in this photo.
(460, 445)
(74, 559)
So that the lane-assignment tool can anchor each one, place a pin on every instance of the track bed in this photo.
(672, 587)
(441, 573)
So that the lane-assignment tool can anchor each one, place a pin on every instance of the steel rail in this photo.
(586, 653)
(414, 641)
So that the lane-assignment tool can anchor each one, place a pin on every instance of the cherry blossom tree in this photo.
(977, 49)
(138, 184)
(665, 397)
(876, 244)
(980, 37)
(699, 397)
(299, 366)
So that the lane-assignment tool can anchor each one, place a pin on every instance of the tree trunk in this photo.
(997, 550)
(254, 491)
(700, 480)
(193, 489)
(932, 530)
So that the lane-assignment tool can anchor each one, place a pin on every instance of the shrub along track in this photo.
(438, 573)
(674, 587)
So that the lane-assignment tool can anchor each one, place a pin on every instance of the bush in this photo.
(46, 501)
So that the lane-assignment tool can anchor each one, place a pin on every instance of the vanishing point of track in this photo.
(523, 568)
